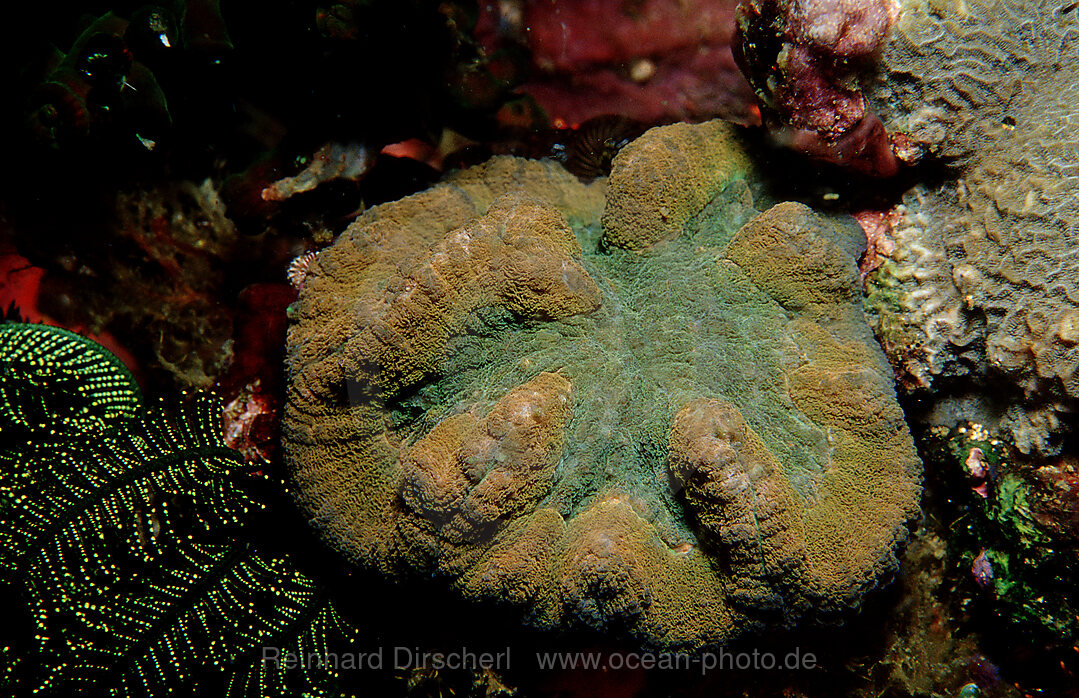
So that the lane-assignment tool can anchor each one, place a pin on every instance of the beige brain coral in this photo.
(980, 299)
(679, 441)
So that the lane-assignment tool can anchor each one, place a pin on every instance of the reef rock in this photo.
(654, 60)
(673, 424)
(802, 58)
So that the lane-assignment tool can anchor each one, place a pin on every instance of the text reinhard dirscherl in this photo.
(408, 658)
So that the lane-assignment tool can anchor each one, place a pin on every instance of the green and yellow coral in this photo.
(670, 420)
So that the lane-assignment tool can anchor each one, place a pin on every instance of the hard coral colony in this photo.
(979, 286)
(982, 286)
(642, 407)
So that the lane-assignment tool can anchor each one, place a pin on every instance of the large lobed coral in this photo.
(636, 405)
(981, 288)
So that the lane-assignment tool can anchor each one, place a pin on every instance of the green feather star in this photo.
(52, 380)
(121, 531)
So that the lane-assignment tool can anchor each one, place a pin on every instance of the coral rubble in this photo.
(671, 423)
(1018, 538)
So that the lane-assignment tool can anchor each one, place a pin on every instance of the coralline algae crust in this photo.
(680, 439)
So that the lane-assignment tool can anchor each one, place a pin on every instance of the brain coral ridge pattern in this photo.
(672, 424)
(984, 284)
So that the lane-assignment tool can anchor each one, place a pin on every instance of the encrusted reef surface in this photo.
(978, 306)
(649, 410)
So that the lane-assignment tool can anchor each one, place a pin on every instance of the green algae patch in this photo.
(1014, 533)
